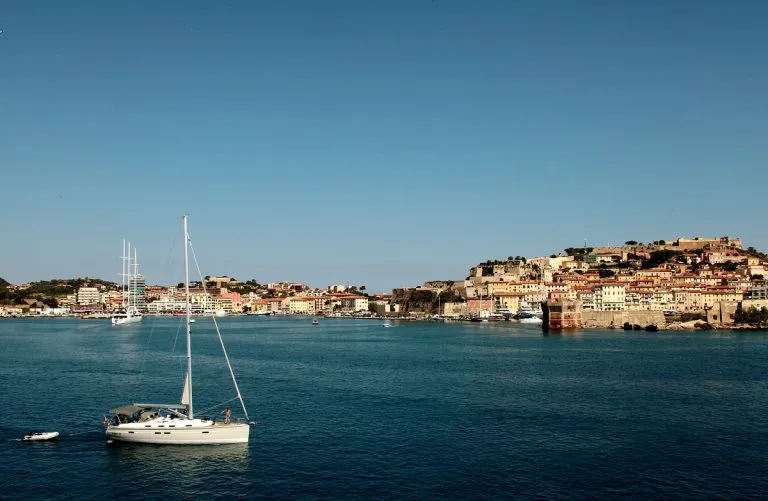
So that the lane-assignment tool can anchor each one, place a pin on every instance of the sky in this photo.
(378, 143)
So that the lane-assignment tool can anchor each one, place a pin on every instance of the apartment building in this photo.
(610, 297)
(688, 300)
(508, 300)
(88, 296)
(710, 297)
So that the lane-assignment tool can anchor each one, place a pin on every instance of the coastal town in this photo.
(716, 281)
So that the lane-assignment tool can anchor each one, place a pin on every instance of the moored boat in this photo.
(40, 436)
(129, 312)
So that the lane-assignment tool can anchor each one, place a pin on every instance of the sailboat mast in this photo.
(122, 277)
(128, 271)
(135, 279)
(188, 323)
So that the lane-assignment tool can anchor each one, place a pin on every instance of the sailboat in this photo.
(129, 313)
(176, 423)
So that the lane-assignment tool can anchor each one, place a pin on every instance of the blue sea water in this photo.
(350, 410)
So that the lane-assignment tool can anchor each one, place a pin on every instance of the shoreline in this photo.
(691, 326)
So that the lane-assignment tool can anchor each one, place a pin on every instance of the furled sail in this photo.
(185, 392)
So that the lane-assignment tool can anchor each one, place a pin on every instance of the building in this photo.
(508, 301)
(610, 297)
(688, 300)
(171, 305)
(759, 290)
(476, 306)
(222, 281)
(586, 295)
(562, 314)
(136, 293)
(300, 305)
(710, 297)
(701, 242)
(88, 296)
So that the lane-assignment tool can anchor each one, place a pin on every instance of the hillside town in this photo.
(679, 276)
(711, 278)
(217, 295)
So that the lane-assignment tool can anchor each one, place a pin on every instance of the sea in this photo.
(349, 409)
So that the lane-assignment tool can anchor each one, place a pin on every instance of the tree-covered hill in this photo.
(46, 289)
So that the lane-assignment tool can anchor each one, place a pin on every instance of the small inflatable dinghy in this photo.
(41, 435)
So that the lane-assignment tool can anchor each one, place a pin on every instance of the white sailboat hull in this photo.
(126, 320)
(181, 432)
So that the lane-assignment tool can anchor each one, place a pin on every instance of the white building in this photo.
(88, 295)
(168, 305)
(610, 297)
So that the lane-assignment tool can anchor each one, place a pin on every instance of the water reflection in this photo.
(184, 455)
(576, 333)
(191, 472)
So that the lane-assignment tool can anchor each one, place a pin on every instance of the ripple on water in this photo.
(347, 410)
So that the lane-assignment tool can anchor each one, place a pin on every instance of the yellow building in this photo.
(302, 305)
(710, 297)
(688, 300)
(223, 303)
(497, 286)
(508, 300)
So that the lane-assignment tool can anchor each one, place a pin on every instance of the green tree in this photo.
(659, 257)
(630, 242)
(752, 316)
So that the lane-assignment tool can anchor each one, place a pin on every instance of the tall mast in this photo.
(135, 279)
(122, 277)
(128, 271)
(189, 313)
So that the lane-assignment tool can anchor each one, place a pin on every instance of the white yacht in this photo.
(176, 423)
(129, 312)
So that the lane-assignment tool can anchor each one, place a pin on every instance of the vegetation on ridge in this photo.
(45, 291)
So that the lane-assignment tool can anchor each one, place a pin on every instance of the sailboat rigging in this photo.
(176, 423)
(129, 312)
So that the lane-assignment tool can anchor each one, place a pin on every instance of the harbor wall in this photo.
(607, 319)
(754, 303)
(725, 312)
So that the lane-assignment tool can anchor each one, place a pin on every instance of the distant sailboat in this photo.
(129, 312)
(175, 423)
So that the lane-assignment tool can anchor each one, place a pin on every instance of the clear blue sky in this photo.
(382, 143)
